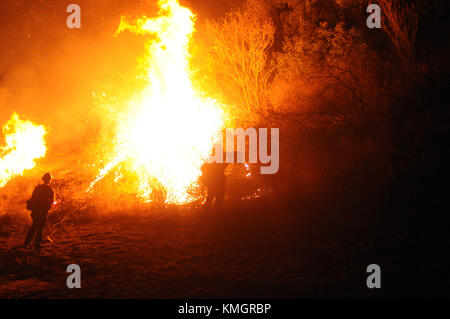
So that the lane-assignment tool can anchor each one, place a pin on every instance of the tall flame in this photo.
(170, 127)
(24, 144)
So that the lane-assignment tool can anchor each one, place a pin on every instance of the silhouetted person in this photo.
(40, 203)
(213, 177)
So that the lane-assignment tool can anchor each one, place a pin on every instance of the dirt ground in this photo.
(188, 253)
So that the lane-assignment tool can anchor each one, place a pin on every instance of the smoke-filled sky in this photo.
(48, 72)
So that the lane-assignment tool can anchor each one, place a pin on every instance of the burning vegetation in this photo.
(169, 127)
(25, 144)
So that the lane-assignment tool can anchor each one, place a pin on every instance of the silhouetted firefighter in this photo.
(213, 177)
(40, 203)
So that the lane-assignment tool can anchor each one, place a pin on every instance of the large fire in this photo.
(24, 144)
(170, 127)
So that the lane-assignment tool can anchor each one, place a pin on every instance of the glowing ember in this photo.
(169, 128)
(24, 144)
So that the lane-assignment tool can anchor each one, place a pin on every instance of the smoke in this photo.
(48, 72)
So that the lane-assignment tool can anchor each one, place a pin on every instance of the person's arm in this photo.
(51, 198)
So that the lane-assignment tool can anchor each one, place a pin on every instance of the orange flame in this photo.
(170, 127)
(24, 144)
